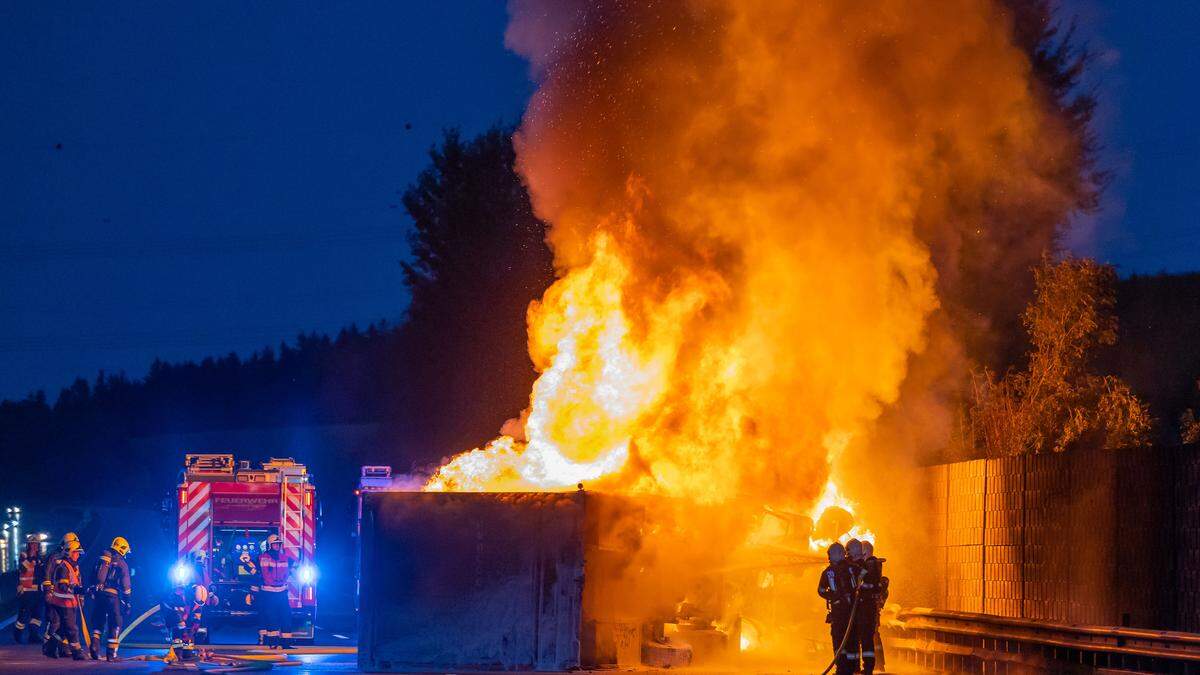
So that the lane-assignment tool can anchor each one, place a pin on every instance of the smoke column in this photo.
(742, 199)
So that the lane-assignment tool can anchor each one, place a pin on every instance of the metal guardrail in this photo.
(963, 642)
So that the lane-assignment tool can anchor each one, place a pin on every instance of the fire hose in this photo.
(87, 637)
(136, 622)
(845, 635)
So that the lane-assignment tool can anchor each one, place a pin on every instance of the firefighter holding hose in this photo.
(867, 573)
(837, 588)
(875, 584)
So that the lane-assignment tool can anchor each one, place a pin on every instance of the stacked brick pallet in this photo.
(1084, 537)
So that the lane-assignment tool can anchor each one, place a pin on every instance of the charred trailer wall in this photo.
(490, 581)
(1186, 559)
(1084, 537)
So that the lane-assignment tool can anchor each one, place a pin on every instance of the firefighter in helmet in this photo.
(49, 615)
(29, 597)
(271, 596)
(187, 602)
(867, 581)
(874, 588)
(837, 588)
(111, 592)
(65, 598)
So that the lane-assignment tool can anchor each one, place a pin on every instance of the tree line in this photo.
(439, 381)
(443, 378)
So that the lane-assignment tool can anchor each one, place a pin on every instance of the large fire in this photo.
(738, 193)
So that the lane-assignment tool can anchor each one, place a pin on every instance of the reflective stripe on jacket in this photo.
(65, 577)
(51, 562)
(112, 574)
(274, 571)
(27, 577)
(836, 585)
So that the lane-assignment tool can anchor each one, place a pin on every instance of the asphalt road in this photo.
(334, 632)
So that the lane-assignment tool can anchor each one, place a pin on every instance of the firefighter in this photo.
(49, 615)
(877, 584)
(271, 597)
(837, 588)
(867, 573)
(65, 599)
(187, 604)
(29, 598)
(111, 593)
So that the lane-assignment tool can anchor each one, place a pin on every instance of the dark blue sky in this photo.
(229, 172)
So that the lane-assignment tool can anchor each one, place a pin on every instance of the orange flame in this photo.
(740, 196)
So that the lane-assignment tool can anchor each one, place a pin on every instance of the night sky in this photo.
(180, 180)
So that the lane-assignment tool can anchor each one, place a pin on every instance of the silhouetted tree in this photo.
(478, 258)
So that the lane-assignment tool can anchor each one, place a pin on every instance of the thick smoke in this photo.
(761, 184)
(773, 223)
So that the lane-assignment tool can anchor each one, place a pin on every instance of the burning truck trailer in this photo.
(554, 581)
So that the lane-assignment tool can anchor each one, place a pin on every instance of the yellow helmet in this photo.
(68, 538)
(73, 546)
(120, 545)
(200, 593)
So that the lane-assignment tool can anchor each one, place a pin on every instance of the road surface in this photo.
(335, 632)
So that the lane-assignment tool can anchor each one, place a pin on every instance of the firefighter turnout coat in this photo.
(66, 584)
(112, 575)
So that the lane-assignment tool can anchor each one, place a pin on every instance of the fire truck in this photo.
(226, 511)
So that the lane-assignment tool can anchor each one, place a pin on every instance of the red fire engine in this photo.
(226, 512)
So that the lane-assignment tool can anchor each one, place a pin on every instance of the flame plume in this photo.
(733, 189)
